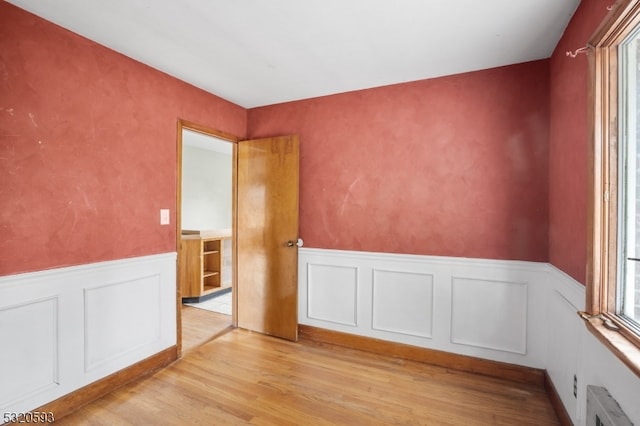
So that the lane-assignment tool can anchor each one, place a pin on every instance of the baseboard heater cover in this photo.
(603, 410)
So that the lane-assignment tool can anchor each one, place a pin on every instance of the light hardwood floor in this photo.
(199, 326)
(248, 378)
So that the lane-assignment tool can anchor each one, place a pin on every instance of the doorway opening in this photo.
(264, 231)
(205, 224)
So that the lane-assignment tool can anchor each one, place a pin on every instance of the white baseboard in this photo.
(62, 329)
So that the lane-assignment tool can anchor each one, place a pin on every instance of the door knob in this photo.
(298, 243)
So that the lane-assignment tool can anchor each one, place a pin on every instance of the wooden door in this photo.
(267, 230)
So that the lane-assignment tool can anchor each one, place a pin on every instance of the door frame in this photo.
(219, 134)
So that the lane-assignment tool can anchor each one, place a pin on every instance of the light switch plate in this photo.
(164, 217)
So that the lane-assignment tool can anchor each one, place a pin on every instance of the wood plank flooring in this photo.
(199, 326)
(248, 378)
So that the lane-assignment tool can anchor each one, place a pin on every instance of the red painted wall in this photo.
(568, 143)
(87, 147)
(453, 166)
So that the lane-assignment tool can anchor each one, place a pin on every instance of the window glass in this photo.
(628, 288)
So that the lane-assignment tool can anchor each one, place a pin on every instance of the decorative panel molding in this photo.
(403, 302)
(476, 307)
(29, 354)
(489, 314)
(332, 293)
(65, 328)
(120, 318)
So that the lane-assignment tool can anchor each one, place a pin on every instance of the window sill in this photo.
(625, 350)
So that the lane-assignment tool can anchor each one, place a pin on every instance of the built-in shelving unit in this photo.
(201, 265)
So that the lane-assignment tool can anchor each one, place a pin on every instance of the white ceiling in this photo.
(261, 52)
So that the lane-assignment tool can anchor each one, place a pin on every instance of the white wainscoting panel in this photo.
(484, 308)
(489, 314)
(573, 350)
(565, 333)
(120, 318)
(403, 302)
(29, 336)
(332, 293)
(65, 328)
